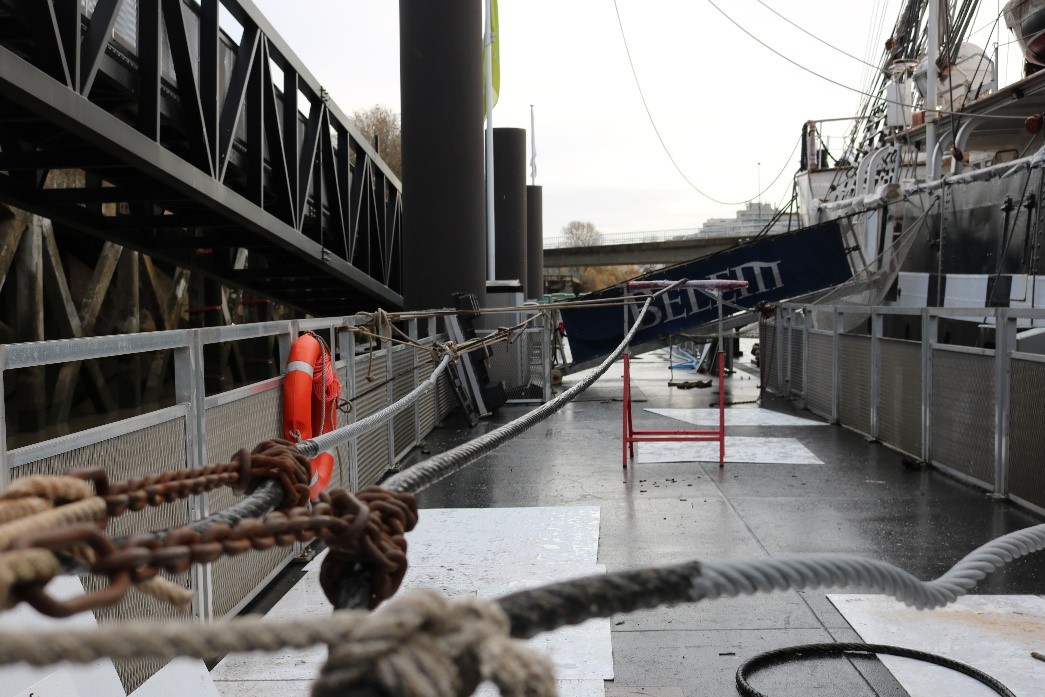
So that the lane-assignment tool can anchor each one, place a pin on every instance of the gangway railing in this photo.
(973, 412)
(199, 429)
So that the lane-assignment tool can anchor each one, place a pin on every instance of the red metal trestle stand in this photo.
(633, 435)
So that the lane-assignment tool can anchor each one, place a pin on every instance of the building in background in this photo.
(749, 220)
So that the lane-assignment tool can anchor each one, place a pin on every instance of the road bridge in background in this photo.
(663, 251)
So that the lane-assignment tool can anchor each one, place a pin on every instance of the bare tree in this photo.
(581, 233)
(382, 122)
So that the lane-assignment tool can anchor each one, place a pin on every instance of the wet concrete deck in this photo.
(863, 500)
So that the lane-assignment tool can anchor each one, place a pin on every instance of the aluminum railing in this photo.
(200, 428)
(972, 412)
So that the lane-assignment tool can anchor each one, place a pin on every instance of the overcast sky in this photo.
(722, 102)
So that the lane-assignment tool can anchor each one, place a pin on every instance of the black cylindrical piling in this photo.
(440, 65)
(534, 242)
(509, 190)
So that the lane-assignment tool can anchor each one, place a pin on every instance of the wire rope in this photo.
(660, 138)
(817, 38)
(836, 82)
(424, 474)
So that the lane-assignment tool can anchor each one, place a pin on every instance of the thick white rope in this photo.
(709, 580)
(328, 441)
(750, 576)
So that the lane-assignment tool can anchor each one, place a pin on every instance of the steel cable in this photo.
(314, 446)
(542, 609)
(424, 474)
(269, 493)
(571, 602)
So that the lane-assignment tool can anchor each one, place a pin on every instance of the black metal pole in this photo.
(509, 190)
(534, 241)
(444, 242)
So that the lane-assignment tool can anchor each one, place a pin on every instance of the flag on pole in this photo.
(495, 57)
(533, 149)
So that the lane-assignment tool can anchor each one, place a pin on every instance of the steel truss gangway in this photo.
(191, 132)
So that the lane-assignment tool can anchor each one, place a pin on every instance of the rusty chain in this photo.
(375, 540)
(366, 529)
(271, 459)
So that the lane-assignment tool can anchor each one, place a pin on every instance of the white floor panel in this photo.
(995, 633)
(770, 451)
(96, 679)
(179, 678)
(461, 552)
(737, 417)
(567, 688)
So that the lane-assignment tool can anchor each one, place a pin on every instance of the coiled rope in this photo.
(792, 653)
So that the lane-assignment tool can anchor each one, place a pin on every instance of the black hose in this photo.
(803, 651)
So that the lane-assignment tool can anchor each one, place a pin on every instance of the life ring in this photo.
(310, 394)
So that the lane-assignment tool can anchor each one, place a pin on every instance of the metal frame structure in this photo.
(631, 435)
(195, 143)
(995, 395)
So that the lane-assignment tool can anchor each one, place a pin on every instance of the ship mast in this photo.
(931, 101)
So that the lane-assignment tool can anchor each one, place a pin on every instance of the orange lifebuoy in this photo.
(310, 393)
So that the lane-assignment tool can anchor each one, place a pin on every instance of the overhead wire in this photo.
(836, 82)
(817, 38)
(656, 130)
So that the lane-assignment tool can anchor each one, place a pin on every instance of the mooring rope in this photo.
(327, 441)
(571, 602)
(533, 611)
(423, 474)
(268, 495)
(350, 589)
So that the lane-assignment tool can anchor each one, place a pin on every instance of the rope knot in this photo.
(424, 645)
(275, 459)
(374, 540)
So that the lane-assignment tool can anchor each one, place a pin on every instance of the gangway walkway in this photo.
(793, 484)
(191, 132)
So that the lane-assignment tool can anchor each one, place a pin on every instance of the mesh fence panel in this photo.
(854, 398)
(820, 373)
(153, 449)
(963, 413)
(372, 448)
(900, 399)
(403, 381)
(1027, 432)
(427, 404)
(519, 364)
(797, 355)
(767, 357)
(446, 401)
(241, 424)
